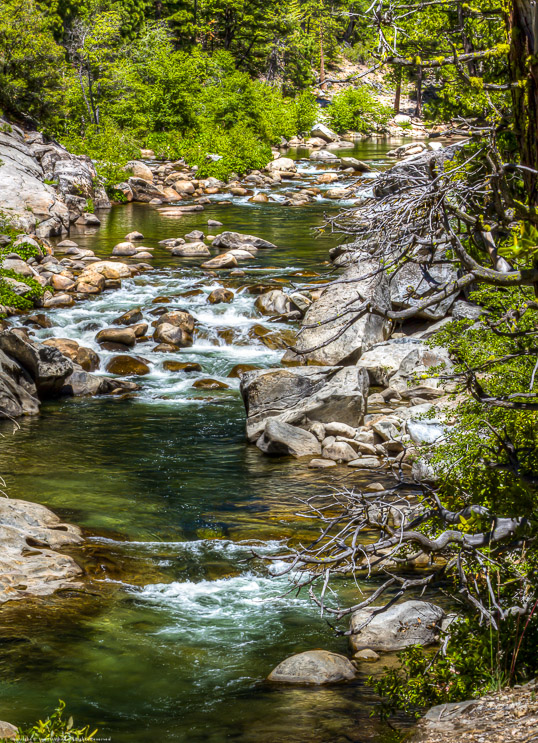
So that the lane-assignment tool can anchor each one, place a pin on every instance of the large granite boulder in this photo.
(31, 204)
(301, 395)
(384, 359)
(30, 534)
(46, 366)
(343, 345)
(313, 667)
(280, 438)
(410, 285)
(405, 624)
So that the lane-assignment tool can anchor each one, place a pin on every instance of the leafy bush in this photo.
(357, 110)
(55, 728)
(110, 148)
(477, 661)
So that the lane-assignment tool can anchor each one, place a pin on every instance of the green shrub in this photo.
(357, 110)
(55, 728)
(9, 298)
(110, 148)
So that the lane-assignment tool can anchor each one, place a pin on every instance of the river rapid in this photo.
(179, 625)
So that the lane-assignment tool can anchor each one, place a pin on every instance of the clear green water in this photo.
(180, 625)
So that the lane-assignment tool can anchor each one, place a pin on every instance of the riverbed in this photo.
(180, 624)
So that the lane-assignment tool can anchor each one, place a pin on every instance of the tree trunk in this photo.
(321, 59)
(418, 107)
(523, 33)
(398, 93)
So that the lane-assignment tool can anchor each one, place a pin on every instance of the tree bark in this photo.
(398, 92)
(522, 24)
(418, 107)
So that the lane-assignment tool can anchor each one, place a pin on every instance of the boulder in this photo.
(184, 366)
(339, 451)
(283, 165)
(135, 235)
(384, 359)
(324, 155)
(124, 249)
(46, 366)
(19, 266)
(321, 131)
(8, 731)
(357, 165)
(31, 204)
(125, 366)
(409, 286)
(338, 193)
(18, 393)
(184, 187)
(280, 438)
(313, 667)
(131, 317)
(231, 240)
(108, 269)
(220, 295)
(348, 291)
(191, 250)
(178, 318)
(126, 336)
(273, 302)
(84, 357)
(167, 333)
(26, 572)
(224, 260)
(365, 463)
(139, 170)
(301, 395)
(402, 625)
(415, 369)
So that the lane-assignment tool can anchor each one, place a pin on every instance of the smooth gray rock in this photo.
(282, 439)
(313, 667)
(230, 240)
(47, 367)
(416, 364)
(405, 624)
(8, 731)
(304, 394)
(39, 572)
(409, 280)
(368, 330)
(323, 132)
(384, 359)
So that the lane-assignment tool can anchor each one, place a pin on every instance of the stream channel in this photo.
(179, 627)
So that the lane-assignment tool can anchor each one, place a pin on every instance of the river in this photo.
(180, 626)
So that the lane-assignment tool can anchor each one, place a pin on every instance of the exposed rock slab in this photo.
(30, 534)
(46, 366)
(352, 342)
(301, 395)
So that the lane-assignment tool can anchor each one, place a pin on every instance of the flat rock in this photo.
(313, 667)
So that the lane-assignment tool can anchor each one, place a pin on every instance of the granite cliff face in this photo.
(43, 187)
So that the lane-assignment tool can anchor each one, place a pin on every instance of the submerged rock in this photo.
(313, 667)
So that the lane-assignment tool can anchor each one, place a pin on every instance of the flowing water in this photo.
(182, 624)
